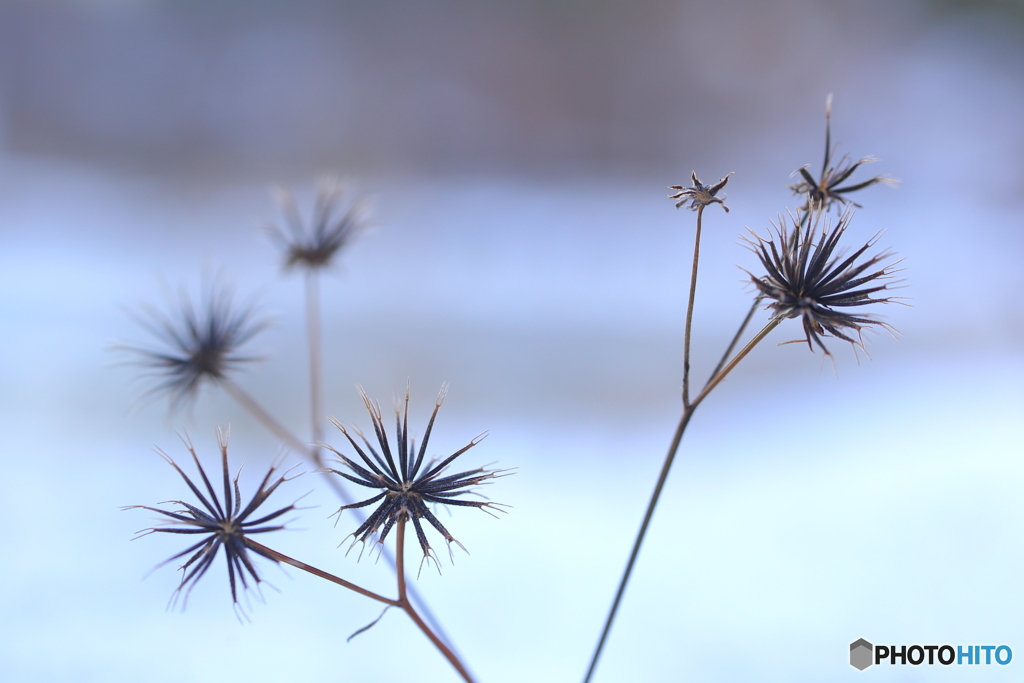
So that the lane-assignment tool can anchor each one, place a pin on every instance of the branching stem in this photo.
(724, 367)
(406, 604)
(736, 338)
(714, 381)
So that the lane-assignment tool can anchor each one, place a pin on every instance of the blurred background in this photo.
(517, 157)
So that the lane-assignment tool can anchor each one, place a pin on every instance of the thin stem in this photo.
(280, 557)
(400, 559)
(662, 477)
(660, 484)
(714, 381)
(404, 603)
(688, 410)
(280, 431)
(736, 338)
(316, 388)
(689, 311)
(250, 404)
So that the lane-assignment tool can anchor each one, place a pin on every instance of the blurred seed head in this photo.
(699, 194)
(807, 279)
(825, 191)
(222, 523)
(335, 223)
(195, 344)
(407, 483)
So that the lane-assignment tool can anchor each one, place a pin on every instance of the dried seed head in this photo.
(700, 195)
(826, 191)
(408, 484)
(224, 524)
(331, 229)
(197, 344)
(804, 279)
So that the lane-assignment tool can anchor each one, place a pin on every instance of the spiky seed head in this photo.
(197, 344)
(220, 522)
(826, 191)
(409, 484)
(335, 224)
(806, 278)
(700, 195)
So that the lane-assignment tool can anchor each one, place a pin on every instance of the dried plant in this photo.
(224, 522)
(225, 525)
(805, 280)
(333, 226)
(196, 345)
(806, 275)
(825, 191)
(406, 490)
(201, 345)
(698, 194)
(313, 248)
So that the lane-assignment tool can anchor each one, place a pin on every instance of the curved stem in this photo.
(689, 311)
(404, 603)
(280, 557)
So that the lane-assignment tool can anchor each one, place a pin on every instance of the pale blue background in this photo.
(522, 249)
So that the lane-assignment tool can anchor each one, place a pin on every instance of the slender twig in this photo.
(662, 477)
(736, 338)
(316, 387)
(280, 431)
(689, 311)
(253, 407)
(755, 340)
(280, 557)
(406, 604)
(403, 595)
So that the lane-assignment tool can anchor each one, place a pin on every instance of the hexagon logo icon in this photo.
(861, 654)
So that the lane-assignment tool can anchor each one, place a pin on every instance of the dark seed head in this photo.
(334, 225)
(220, 522)
(196, 344)
(828, 189)
(807, 279)
(409, 484)
(699, 195)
